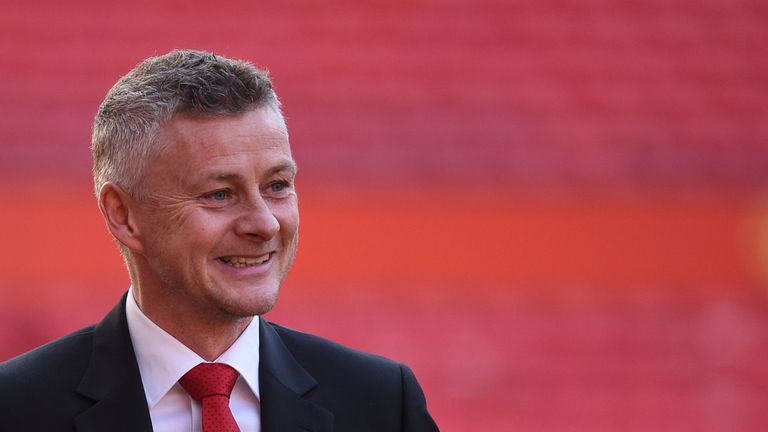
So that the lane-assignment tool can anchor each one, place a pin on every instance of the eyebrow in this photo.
(285, 165)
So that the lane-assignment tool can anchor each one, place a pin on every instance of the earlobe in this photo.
(119, 211)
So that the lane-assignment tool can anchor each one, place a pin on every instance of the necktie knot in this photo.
(209, 379)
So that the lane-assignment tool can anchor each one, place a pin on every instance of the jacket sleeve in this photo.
(416, 418)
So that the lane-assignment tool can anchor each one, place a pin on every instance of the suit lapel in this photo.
(112, 379)
(283, 384)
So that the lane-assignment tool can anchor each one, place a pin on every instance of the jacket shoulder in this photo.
(318, 350)
(365, 391)
(59, 362)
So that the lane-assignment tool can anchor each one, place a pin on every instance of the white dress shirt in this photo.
(163, 360)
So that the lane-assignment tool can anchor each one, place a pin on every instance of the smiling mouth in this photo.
(240, 261)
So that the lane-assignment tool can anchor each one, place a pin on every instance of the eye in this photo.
(278, 186)
(220, 195)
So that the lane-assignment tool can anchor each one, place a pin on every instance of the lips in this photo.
(245, 261)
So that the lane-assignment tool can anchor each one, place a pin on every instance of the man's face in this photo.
(220, 225)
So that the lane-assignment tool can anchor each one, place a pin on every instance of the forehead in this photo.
(200, 139)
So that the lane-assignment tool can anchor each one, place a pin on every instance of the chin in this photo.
(256, 304)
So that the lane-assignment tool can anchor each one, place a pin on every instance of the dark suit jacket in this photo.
(89, 381)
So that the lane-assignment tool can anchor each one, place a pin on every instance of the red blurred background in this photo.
(554, 211)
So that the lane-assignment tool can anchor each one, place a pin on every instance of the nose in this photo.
(257, 219)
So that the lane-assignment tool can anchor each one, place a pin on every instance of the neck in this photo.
(208, 336)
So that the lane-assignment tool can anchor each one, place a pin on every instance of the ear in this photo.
(120, 210)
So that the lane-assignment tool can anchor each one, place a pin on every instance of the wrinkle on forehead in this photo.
(263, 118)
(205, 133)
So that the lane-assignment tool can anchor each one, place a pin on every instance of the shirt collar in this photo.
(163, 360)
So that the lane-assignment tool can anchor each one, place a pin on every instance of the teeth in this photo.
(236, 261)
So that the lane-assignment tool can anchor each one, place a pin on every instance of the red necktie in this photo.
(211, 383)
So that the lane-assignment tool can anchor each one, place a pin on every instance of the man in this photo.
(195, 179)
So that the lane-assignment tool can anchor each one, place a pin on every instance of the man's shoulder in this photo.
(317, 351)
(364, 391)
(38, 389)
(45, 365)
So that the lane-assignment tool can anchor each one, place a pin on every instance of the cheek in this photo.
(198, 233)
(169, 227)
(289, 222)
(287, 215)
(206, 233)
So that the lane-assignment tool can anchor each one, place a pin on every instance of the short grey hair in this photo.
(182, 82)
